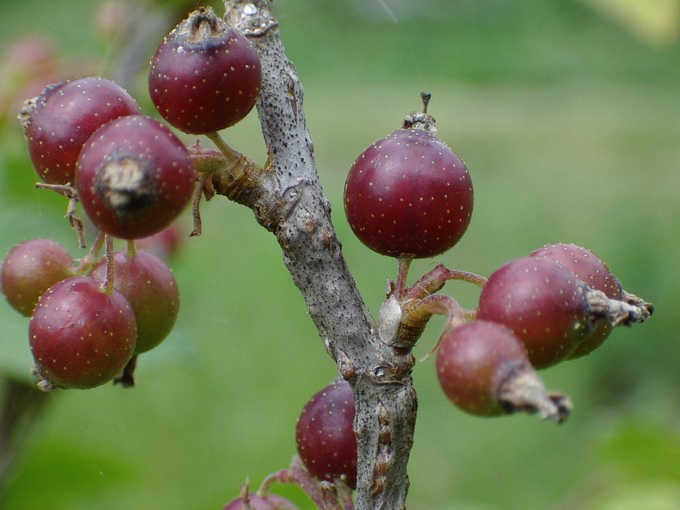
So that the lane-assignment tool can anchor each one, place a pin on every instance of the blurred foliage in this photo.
(569, 123)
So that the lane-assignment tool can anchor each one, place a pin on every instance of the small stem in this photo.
(296, 474)
(436, 279)
(71, 193)
(90, 260)
(425, 96)
(442, 305)
(107, 284)
(196, 206)
(231, 154)
(402, 275)
(131, 248)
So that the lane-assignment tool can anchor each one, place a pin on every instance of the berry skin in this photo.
(205, 76)
(409, 194)
(542, 302)
(325, 436)
(81, 336)
(32, 267)
(59, 121)
(134, 177)
(150, 288)
(254, 502)
(473, 362)
(589, 268)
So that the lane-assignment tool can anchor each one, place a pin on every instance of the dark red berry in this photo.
(32, 267)
(473, 362)
(409, 194)
(150, 288)
(542, 302)
(59, 121)
(585, 265)
(589, 268)
(484, 370)
(205, 76)
(81, 336)
(254, 502)
(325, 435)
(134, 177)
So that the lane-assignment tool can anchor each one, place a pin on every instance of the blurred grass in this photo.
(570, 128)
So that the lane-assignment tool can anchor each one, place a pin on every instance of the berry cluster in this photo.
(89, 141)
(410, 196)
(406, 196)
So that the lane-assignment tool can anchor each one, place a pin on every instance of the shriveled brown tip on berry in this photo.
(202, 24)
(524, 391)
(617, 313)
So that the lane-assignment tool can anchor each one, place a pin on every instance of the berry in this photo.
(205, 76)
(80, 335)
(585, 265)
(474, 360)
(409, 194)
(589, 268)
(59, 121)
(32, 267)
(325, 435)
(484, 370)
(254, 502)
(542, 302)
(134, 177)
(150, 288)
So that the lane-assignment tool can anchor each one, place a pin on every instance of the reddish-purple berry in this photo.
(80, 335)
(59, 121)
(473, 362)
(590, 269)
(585, 265)
(134, 177)
(150, 288)
(32, 267)
(409, 194)
(325, 435)
(205, 76)
(542, 302)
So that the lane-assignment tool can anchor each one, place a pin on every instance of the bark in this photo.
(290, 202)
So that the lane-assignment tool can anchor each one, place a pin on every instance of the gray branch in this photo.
(291, 204)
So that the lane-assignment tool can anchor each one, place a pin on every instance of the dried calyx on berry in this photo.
(205, 75)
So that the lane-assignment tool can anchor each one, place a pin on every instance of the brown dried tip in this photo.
(524, 391)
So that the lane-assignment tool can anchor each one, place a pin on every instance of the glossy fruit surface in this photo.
(32, 267)
(409, 194)
(134, 177)
(150, 288)
(205, 76)
(592, 270)
(474, 360)
(60, 120)
(325, 435)
(80, 336)
(585, 265)
(542, 302)
(254, 502)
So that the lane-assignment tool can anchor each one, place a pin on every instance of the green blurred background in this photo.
(567, 113)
